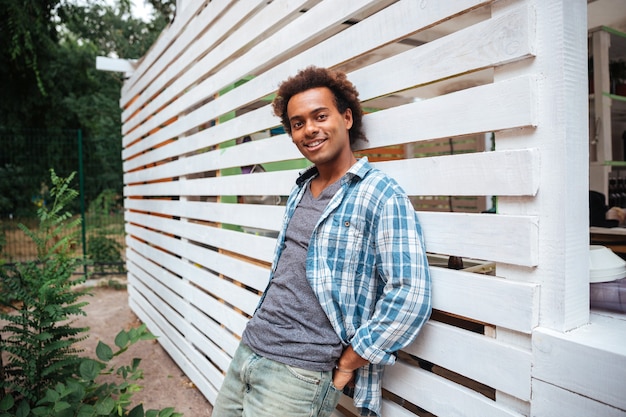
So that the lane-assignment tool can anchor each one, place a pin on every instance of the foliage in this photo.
(48, 78)
(40, 295)
(44, 375)
(105, 204)
(105, 254)
(103, 251)
(27, 37)
(81, 395)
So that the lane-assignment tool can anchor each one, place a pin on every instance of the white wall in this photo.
(517, 68)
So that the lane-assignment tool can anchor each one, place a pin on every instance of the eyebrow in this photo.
(316, 110)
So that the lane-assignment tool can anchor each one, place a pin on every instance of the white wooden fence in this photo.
(518, 340)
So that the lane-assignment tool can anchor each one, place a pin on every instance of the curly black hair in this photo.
(346, 96)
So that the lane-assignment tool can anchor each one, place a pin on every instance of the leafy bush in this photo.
(40, 298)
(105, 254)
(44, 374)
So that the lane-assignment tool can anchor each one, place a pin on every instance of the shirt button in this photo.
(346, 223)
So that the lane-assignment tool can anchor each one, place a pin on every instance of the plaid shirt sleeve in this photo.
(403, 305)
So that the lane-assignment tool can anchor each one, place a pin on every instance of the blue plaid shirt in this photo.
(367, 264)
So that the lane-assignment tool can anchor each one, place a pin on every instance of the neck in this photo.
(329, 174)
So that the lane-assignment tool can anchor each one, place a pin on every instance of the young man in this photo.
(349, 285)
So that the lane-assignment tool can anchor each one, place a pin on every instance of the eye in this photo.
(296, 124)
(322, 116)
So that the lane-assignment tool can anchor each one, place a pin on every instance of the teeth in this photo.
(313, 144)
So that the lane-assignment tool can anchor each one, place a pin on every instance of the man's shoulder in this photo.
(380, 180)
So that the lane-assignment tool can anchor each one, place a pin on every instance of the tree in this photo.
(50, 84)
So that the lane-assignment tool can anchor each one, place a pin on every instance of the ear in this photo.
(347, 118)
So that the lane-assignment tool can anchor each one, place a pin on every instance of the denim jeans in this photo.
(255, 386)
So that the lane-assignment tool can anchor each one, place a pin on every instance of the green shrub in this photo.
(44, 374)
(105, 254)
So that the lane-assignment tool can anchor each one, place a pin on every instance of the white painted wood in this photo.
(601, 375)
(439, 395)
(195, 305)
(251, 215)
(176, 347)
(504, 105)
(167, 37)
(241, 271)
(266, 183)
(218, 52)
(154, 291)
(502, 173)
(224, 289)
(353, 41)
(258, 247)
(325, 15)
(216, 309)
(278, 148)
(478, 357)
(510, 304)
(510, 239)
(549, 399)
(197, 283)
(470, 49)
(104, 63)
(563, 144)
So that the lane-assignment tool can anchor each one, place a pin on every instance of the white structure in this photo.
(518, 341)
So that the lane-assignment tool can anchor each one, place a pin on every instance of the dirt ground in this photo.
(164, 384)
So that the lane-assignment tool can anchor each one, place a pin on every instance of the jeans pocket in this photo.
(312, 377)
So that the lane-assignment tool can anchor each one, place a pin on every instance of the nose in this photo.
(311, 128)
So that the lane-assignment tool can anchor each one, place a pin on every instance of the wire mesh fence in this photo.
(26, 158)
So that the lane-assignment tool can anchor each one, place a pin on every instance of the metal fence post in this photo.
(81, 182)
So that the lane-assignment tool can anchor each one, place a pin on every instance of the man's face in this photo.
(318, 129)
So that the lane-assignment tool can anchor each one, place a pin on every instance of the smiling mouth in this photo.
(314, 143)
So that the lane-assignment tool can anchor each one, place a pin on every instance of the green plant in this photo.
(41, 299)
(44, 374)
(83, 396)
(105, 253)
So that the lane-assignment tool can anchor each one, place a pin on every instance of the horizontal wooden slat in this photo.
(467, 50)
(266, 183)
(503, 367)
(212, 316)
(500, 238)
(503, 105)
(200, 256)
(601, 375)
(212, 50)
(175, 311)
(389, 408)
(494, 300)
(547, 399)
(258, 151)
(357, 39)
(177, 348)
(251, 215)
(326, 16)
(258, 247)
(213, 306)
(168, 44)
(438, 395)
(506, 173)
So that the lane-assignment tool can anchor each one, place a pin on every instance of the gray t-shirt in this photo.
(290, 326)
